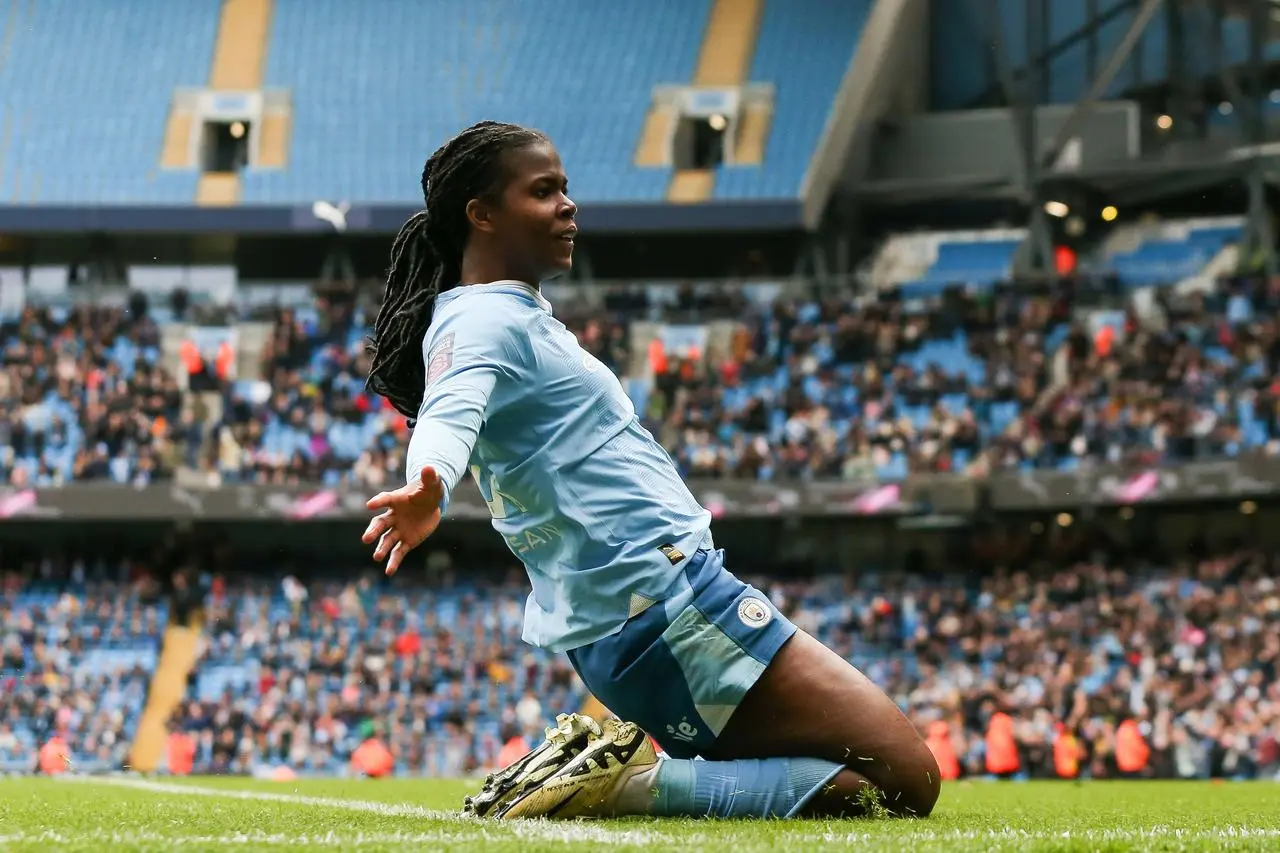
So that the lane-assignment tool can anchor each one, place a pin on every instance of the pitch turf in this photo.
(121, 814)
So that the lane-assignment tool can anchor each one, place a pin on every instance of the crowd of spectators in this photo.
(1083, 647)
(1080, 645)
(1077, 644)
(78, 643)
(311, 419)
(302, 674)
(1185, 653)
(84, 396)
(977, 381)
(873, 386)
(1197, 380)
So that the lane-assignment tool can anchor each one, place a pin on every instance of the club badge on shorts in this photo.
(754, 613)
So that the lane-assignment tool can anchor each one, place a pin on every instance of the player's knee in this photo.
(896, 790)
(925, 797)
(908, 781)
(917, 782)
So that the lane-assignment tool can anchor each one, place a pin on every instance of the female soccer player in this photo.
(625, 577)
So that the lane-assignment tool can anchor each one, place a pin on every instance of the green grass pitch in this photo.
(124, 814)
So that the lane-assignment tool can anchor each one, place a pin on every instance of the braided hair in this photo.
(426, 256)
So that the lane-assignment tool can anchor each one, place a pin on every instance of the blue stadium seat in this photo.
(1165, 262)
(85, 93)
(376, 86)
(976, 263)
(804, 48)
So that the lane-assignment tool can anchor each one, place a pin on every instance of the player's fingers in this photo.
(397, 556)
(378, 525)
(429, 477)
(388, 541)
(383, 500)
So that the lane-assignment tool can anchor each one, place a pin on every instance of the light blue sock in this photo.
(767, 787)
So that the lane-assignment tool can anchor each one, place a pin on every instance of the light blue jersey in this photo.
(583, 494)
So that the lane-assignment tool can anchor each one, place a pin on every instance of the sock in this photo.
(766, 787)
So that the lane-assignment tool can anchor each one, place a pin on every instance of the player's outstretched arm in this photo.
(452, 413)
(470, 356)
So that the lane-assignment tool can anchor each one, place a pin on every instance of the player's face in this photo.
(535, 222)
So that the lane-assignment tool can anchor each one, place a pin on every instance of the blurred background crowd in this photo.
(1073, 659)
(875, 387)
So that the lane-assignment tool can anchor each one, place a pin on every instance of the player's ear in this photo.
(480, 215)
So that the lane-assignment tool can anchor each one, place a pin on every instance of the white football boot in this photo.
(566, 740)
(615, 764)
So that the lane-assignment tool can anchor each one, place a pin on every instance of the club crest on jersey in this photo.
(754, 613)
(440, 359)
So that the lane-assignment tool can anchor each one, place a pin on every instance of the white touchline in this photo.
(247, 839)
(385, 809)
(479, 830)
(464, 829)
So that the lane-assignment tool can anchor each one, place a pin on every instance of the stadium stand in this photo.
(1003, 381)
(83, 396)
(408, 93)
(870, 387)
(803, 49)
(82, 112)
(1169, 252)
(922, 265)
(1081, 638)
(405, 95)
(303, 675)
(881, 385)
(77, 657)
(439, 677)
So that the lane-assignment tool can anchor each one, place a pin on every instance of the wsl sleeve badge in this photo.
(440, 359)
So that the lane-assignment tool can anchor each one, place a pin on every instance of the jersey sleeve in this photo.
(471, 357)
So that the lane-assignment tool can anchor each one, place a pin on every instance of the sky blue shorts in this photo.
(680, 668)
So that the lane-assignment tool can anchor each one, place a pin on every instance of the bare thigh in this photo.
(811, 703)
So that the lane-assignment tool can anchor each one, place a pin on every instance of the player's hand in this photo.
(409, 515)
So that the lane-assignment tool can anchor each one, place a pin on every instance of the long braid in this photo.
(426, 256)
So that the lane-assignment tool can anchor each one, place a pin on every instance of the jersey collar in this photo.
(514, 287)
